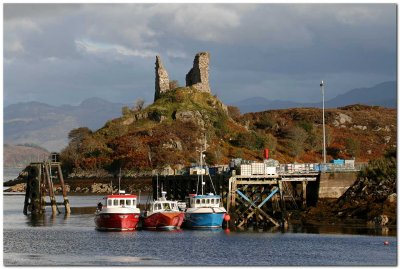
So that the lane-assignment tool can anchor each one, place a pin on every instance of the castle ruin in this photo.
(196, 78)
(162, 79)
(198, 75)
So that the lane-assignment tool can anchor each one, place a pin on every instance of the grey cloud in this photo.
(271, 50)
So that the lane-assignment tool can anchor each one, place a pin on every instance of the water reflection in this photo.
(343, 229)
(43, 220)
(39, 220)
(320, 229)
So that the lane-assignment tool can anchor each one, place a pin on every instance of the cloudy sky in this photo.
(63, 54)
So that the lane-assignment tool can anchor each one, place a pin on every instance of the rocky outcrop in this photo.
(21, 187)
(189, 116)
(162, 79)
(198, 75)
(101, 188)
(341, 120)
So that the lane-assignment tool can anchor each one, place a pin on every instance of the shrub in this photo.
(173, 84)
(265, 122)
(306, 125)
(352, 146)
(249, 140)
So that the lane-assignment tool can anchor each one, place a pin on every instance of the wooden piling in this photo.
(51, 189)
(64, 191)
(304, 194)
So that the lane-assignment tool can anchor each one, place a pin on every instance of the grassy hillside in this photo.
(168, 132)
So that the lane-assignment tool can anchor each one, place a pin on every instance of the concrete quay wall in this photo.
(333, 185)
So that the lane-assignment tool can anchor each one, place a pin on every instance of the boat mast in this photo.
(157, 187)
(201, 170)
(119, 181)
(201, 164)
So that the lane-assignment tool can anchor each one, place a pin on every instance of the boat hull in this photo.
(163, 221)
(196, 220)
(116, 221)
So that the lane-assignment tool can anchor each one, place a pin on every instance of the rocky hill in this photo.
(168, 132)
(355, 131)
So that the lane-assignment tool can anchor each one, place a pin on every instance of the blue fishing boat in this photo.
(204, 210)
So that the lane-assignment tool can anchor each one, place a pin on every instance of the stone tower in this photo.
(198, 75)
(162, 80)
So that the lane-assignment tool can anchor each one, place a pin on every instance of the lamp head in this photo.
(322, 83)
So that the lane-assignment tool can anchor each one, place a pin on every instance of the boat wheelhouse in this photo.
(119, 213)
(163, 214)
(208, 200)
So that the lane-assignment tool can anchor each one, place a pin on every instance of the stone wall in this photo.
(162, 79)
(198, 75)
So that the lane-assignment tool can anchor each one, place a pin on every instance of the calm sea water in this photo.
(73, 240)
(11, 173)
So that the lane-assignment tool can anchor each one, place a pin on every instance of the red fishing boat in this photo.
(162, 215)
(118, 214)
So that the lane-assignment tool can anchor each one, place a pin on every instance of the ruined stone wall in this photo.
(198, 75)
(162, 79)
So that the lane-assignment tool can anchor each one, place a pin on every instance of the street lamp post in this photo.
(323, 118)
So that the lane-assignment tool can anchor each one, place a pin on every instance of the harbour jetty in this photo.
(261, 193)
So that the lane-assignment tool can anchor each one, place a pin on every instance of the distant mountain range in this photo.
(48, 126)
(383, 94)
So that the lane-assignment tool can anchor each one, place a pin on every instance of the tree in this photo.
(77, 135)
(139, 104)
(234, 112)
(125, 111)
(129, 152)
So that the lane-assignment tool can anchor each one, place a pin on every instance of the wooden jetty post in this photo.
(49, 180)
(244, 192)
(64, 190)
(39, 179)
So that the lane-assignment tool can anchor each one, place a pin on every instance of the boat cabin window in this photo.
(122, 202)
(212, 201)
(207, 201)
(217, 201)
(115, 202)
(166, 206)
(203, 201)
(197, 201)
(157, 206)
(129, 202)
(109, 202)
